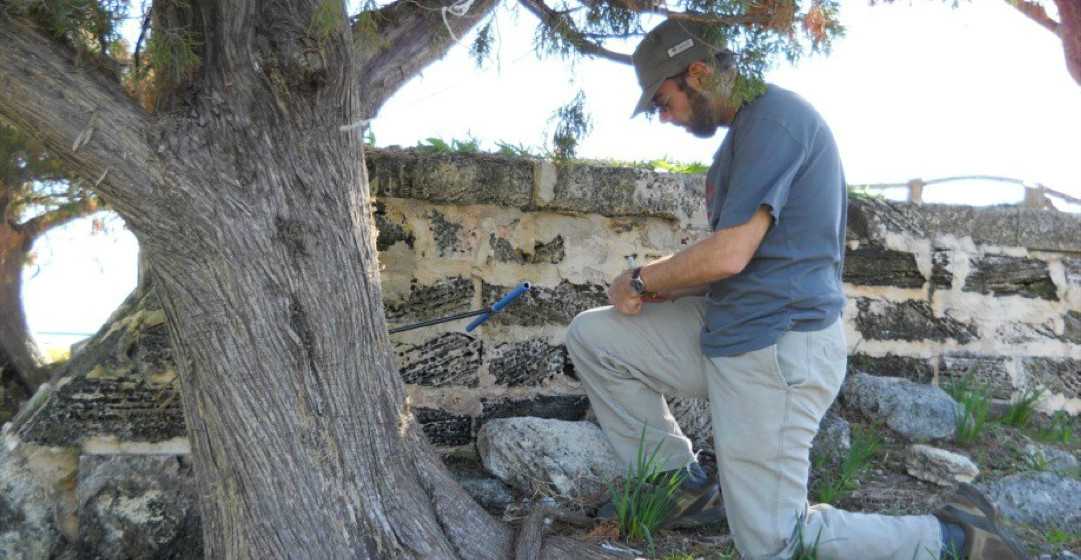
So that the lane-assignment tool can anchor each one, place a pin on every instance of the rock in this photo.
(138, 506)
(573, 459)
(916, 411)
(33, 481)
(833, 441)
(944, 468)
(490, 493)
(1043, 500)
(1050, 458)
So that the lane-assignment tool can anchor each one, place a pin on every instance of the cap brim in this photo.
(645, 102)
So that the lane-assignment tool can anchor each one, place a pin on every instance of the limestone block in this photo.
(33, 481)
(549, 252)
(892, 365)
(1004, 275)
(624, 191)
(447, 359)
(445, 297)
(870, 217)
(991, 225)
(990, 370)
(559, 407)
(390, 231)
(450, 178)
(573, 459)
(1060, 375)
(547, 306)
(527, 363)
(941, 275)
(443, 428)
(916, 412)
(874, 265)
(138, 506)
(939, 466)
(1048, 230)
(910, 320)
(1072, 327)
(1042, 500)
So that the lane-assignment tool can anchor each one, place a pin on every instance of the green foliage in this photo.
(88, 25)
(171, 53)
(481, 48)
(1022, 408)
(645, 496)
(433, 145)
(678, 167)
(975, 401)
(572, 124)
(1060, 430)
(1059, 537)
(1038, 461)
(325, 20)
(514, 150)
(834, 485)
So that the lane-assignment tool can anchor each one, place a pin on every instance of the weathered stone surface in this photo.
(446, 297)
(909, 320)
(559, 407)
(694, 419)
(450, 178)
(892, 365)
(447, 234)
(1003, 275)
(1042, 500)
(941, 277)
(550, 252)
(624, 191)
(1048, 231)
(390, 232)
(939, 466)
(12, 392)
(1072, 330)
(448, 359)
(874, 265)
(868, 215)
(833, 440)
(989, 370)
(138, 506)
(443, 428)
(572, 458)
(31, 481)
(917, 412)
(1049, 457)
(993, 225)
(1060, 375)
(527, 363)
(546, 306)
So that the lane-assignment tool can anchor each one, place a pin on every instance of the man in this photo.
(750, 319)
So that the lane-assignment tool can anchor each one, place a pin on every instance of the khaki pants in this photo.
(766, 407)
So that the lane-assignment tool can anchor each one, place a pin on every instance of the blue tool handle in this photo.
(499, 305)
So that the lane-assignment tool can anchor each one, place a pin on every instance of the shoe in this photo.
(970, 510)
(697, 503)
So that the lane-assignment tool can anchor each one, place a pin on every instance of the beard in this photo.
(701, 123)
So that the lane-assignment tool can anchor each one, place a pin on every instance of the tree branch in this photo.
(1069, 13)
(60, 216)
(1036, 13)
(654, 8)
(394, 43)
(79, 112)
(566, 28)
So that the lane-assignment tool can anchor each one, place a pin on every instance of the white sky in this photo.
(915, 89)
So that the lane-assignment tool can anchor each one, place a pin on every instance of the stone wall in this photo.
(934, 291)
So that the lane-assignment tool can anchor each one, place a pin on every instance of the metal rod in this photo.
(447, 319)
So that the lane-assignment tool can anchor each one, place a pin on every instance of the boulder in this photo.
(33, 510)
(573, 459)
(138, 506)
(1050, 458)
(916, 411)
(833, 441)
(1043, 500)
(939, 466)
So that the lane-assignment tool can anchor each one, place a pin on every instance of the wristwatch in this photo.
(637, 284)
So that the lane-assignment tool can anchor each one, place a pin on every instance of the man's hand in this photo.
(623, 297)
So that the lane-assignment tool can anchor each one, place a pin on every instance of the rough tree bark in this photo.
(252, 209)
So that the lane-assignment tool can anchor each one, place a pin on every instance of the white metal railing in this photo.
(1036, 195)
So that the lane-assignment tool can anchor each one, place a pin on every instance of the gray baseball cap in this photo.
(666, 51)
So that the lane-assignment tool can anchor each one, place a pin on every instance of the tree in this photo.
(240, 171)
(36, 195)
(1067, 28)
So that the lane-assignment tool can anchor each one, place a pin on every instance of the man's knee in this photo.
(584, 328)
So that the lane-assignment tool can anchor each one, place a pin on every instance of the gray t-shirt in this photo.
(780, 154)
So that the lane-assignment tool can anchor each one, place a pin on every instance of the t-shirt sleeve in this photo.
(765, 161)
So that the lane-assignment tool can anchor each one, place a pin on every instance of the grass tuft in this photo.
(836, 484)
(1023, 408)
(645, 496)
(1059, 431)
(975, 401)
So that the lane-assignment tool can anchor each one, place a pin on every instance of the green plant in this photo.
(1023, 408)
(835, 484)
(514, 150)
(1038, 461)
(802, 551)
(435, 145)
(975, 401)
(645, 496)
(1059, 537)
(678, 166)
(1059, 430)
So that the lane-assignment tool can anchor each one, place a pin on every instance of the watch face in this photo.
(638, 285)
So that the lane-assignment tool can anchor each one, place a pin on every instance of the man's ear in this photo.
(697, 74)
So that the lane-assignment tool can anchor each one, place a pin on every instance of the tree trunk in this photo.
(15, 339)
(1069, 12)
